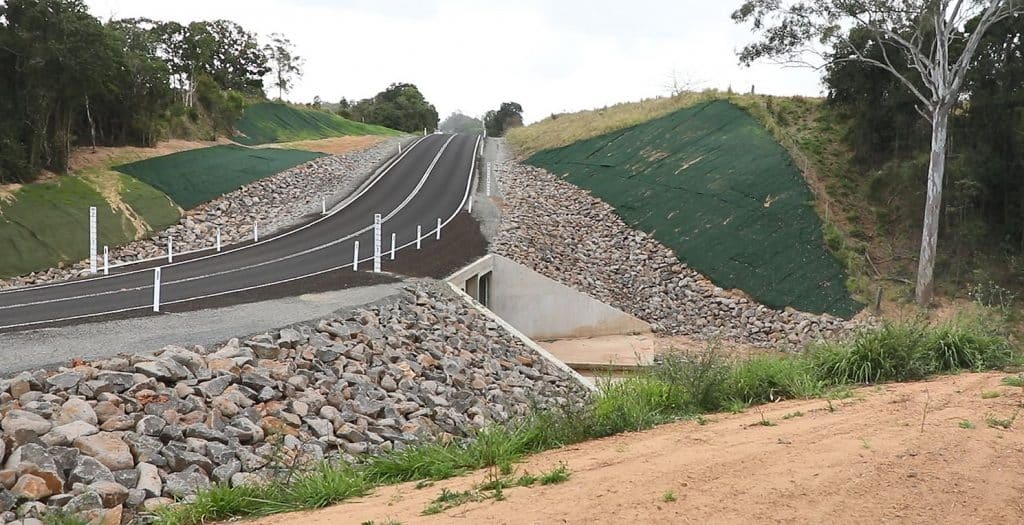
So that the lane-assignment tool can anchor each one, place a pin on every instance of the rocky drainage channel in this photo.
(113, 440)
(275, 203)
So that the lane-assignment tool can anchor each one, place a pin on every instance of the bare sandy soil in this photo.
(890, 454)
(332, 146)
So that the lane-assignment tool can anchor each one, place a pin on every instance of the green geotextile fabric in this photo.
(713, 185)
(193, 177)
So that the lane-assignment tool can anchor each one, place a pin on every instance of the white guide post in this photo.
(471, 204)
(255, 231)
(156, 289)
(170, 250)
(92, 240)
(323, 206)
(106, 260)
(437, 233)
(419, 235)
(355, 256)
(218, 238)
(399, 148)
(376, 243)
(393, 238)
(487, 180)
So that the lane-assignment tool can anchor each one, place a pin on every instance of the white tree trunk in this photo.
(932, 207)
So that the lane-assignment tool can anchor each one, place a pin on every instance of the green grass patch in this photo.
(48, 223)
(193, 177)
(271, 122)
(711, 183)
(681, 386)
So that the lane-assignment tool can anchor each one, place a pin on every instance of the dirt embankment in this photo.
(890, 454)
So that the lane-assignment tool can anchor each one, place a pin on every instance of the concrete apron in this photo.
(587, 335)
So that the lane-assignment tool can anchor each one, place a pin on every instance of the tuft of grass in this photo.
(792, 415)
(448, 499)
(965, 424)
(1017, 381)
(996, 422)
(559, 474)
(990, 394)
(668, 496)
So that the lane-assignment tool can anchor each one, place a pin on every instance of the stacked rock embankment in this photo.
(275, 203)
(113, 439)
(562, 231)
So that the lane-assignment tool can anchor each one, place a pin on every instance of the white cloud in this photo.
(472, 55)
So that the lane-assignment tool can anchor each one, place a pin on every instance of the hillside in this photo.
(711, 183)
(271, 122)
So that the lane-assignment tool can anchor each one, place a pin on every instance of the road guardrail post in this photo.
(156, 289)
(376, 243)
(92, 240)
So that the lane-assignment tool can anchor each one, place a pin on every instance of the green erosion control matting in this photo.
(46, 223)
(713, 185)
(268, 122)
(197, 176)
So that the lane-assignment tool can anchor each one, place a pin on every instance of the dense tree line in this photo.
(508, 116)
(68, 79)
(401, 106)
(460, 123)
(985, 176)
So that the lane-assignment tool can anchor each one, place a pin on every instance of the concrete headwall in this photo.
(539, 307)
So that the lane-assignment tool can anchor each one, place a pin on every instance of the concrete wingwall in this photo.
(539, 307)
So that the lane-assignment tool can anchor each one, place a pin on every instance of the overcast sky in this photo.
(548, 55)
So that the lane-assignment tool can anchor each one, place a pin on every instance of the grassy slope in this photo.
(273, 122)
(46, 223)
(711, 183)
(855, 227)
(193, 177)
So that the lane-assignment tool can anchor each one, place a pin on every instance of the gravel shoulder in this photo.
(891, 454)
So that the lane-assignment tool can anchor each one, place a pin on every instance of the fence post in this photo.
(419, 235)
(92, 240)
(437, 235)
(106, 260)
(156, 289)
(355, 256)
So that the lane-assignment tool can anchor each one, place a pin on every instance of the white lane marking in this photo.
(307, 251)
(394, 161)
(347, 265)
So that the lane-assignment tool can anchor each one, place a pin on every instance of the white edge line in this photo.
(395, 160)
(346, 265)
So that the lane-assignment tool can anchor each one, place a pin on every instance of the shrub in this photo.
(768, 378)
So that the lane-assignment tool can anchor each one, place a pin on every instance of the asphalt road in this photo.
(430, 181)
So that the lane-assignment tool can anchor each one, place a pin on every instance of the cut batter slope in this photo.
(895, 453)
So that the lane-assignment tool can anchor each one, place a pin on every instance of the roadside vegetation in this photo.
(681, 386)
(271, 122)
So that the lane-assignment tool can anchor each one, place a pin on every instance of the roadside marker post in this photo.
(437, 236)
(106, 260)
(393, 238)
(156, 289)
(399, 148)
(218, 239)
(487, 180)
(419, 235)
(92, 240)
(323, 206)
(470, 204)
(376, 243)
(355, 257)
(170, 250)
(255, 231)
